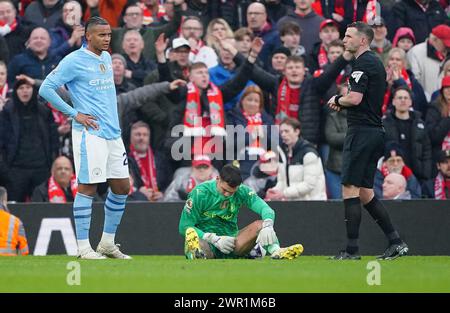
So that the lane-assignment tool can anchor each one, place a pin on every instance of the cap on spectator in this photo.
(180, 42)
(393, 147)
(282, 50)
(328, 22)
(408, 36)
(403, 32)
(119, 57)
(264, 162)
(443, 155)
(442, 31)
(445, 82)
(377, 21)
(267, 156)
(201, 159)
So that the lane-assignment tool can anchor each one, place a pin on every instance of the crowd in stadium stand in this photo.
(291, 144)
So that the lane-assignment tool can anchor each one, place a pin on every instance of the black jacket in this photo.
(438, 127)
(17, 38)
(235, 117)
(41, 16)
(311, 60)
(10, 129)
(29, 64)
(408, 13)
(229, 90)
(421, 157)
(4, 51)
(311, 91)
(40, 193)
(139, 70)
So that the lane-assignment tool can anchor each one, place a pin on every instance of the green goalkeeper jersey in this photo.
(208, 211)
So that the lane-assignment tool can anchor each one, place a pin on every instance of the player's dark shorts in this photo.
(220, 255)
(363, 146)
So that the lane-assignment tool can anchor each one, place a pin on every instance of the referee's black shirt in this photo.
(369, 78)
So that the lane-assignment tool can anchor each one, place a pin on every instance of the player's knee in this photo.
(350, 191)
(125, 190)
(366, 195)
(258, 224)
(122, 190)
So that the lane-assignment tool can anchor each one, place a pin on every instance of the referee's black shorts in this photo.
(363, 146)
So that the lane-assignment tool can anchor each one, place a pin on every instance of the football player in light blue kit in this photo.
(99, 152)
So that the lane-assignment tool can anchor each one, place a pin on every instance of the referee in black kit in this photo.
(364, 143)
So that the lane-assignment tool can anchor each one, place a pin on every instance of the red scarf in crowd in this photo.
(338, 7)
(12, 26)
(371, 11)
(147, 167)
(22, 5)
(192, 182)
(423, 7)
(284, 105)
(56, 193)
(439, 55)
(193, 116)
(148, 14)
(196, 124)
(4, 91)
(322, 57)
(254, 128)
(58, 116)
(200, 44)
(440, 185)
(387, 94)
(446, 142)
(406, 171)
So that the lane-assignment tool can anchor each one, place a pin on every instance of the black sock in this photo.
(378, 212)
(352, 222)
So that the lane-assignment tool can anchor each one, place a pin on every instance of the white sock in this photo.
(108, 238)
(83, 244)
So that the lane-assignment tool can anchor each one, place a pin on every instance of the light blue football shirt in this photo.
(89, 79)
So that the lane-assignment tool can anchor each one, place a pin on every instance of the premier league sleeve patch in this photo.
(188, 205)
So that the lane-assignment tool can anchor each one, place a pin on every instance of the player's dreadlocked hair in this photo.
(231, 175)
(93, 21)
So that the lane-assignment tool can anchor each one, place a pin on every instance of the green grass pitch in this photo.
(176, 274)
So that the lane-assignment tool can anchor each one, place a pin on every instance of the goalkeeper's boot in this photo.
(344, 255)
(111, 251)
(192, 248)
(90, 254)
(394, 251)
(288, 253)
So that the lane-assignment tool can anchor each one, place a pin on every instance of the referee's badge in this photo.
(357, 75)
(102, 68)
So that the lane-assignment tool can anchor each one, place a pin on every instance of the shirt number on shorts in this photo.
(125, 159)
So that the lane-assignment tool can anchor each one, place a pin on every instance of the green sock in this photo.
(272, 248)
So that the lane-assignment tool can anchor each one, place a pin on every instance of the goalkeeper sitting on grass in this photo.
(209, 221)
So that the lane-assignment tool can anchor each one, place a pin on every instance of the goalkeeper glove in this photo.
(267, 234)
(224, 243)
